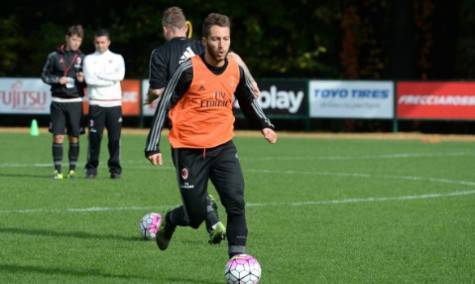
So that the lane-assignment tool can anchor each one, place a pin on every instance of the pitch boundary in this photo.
(373, 199)
(425, 138)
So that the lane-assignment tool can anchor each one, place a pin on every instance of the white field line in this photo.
(362, 157)
(146, 166)
(287, 172)
(366, 199)
(249, 204)
(288, 158)
(25, 165)
(364, 175)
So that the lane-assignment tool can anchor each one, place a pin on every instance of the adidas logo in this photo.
(201, 88)
(186, 55)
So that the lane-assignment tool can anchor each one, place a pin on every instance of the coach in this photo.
(103, 71)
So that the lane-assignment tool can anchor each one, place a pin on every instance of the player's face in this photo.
(101, 43)
(73, 42)
(217, 44)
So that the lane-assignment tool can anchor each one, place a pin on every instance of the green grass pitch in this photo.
(318, 211)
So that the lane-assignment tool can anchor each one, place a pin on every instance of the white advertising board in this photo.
(351, 99)
(147, 110)
(24, 96)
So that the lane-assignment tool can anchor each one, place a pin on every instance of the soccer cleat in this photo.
(57, 175)
(217, 234)
(71, 174)
(115, 176)
(165, 233)
(91, 174)
(213, 203)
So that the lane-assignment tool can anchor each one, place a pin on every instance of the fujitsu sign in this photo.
(436, 100)
(23, 95)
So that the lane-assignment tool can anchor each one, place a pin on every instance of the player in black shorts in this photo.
(164, 61)
(63, 71)
(198, 101)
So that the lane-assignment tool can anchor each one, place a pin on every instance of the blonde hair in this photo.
(173, 17)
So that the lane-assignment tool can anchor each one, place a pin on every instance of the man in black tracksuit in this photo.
(63, 71)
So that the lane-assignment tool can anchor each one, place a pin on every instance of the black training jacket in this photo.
(62, 62)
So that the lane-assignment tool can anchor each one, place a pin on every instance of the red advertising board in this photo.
(436, 100)
(130, 98)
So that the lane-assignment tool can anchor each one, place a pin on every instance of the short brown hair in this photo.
(75, 30)
(215, 19)
(174, 17)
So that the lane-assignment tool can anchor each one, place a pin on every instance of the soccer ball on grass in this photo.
(242, 269)
(149, 225)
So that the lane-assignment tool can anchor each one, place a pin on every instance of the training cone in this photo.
(34, 131)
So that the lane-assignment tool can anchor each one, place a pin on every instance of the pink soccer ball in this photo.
(149, 225)
(242, 269)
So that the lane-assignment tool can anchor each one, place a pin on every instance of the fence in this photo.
(290, 99)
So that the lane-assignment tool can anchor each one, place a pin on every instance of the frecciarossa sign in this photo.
(436, 100)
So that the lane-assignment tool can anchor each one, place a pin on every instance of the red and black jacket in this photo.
(63, 62)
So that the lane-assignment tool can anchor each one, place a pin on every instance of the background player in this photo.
(63, 71)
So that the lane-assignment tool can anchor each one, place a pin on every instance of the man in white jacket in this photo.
(103, 71)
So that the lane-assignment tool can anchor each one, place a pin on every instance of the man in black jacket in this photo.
(63, 71)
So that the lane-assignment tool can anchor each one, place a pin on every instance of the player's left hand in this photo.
(150, 98)
(80, 77)
(156, 159)
(269, 135)
(153, 94)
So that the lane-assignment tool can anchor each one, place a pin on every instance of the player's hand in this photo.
(269, 135)
(150, 98)
(156, 159)
(63, 80)
(153, 94)
(80, 76)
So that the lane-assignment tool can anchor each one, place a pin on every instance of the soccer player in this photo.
(103, 71)
(198, 100)
(164, 61)
(63, 71)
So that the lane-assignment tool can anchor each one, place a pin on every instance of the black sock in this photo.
(73, 155)
(211, 214)
(57, 151)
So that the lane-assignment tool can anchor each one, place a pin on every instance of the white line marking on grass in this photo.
(20, 165)
(287, 172)
(82, 210)
(249, 204)
(363, 175)
(363, 157)
(366, 199)
(288, 158)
